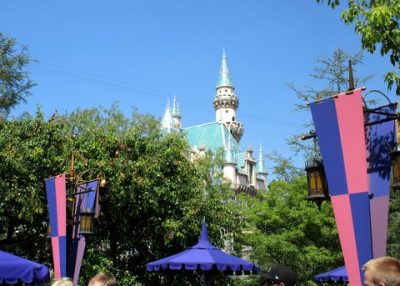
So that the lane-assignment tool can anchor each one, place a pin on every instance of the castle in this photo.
(244, 172)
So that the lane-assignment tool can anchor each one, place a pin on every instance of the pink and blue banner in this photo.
(56, 197)
(339, 124)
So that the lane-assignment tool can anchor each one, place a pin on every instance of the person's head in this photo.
(279, 275)
(103, 279)
(383, 271)
(62, 282)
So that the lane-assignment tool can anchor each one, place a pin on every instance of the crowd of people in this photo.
(383, 271)
(100, 279)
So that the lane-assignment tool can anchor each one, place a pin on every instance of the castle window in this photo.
(226, 90)
(233, 118)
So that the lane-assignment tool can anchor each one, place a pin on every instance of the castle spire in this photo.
(167, 120)
(224, 75)
(176, 115)
(175, 109)
(260, 162)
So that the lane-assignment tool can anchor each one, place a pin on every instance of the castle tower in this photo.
(226, 102)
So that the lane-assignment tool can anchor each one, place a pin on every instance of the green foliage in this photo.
(378, 24)
(393, 247)
(30, 151)
(283, 168)
(283, 227)
(15, 85)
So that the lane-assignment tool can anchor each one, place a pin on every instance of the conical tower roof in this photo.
(260, 164)
(175, 109)
(167, 121)
(224, 75)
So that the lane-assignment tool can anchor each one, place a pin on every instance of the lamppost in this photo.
(355, 144)
(73, 204)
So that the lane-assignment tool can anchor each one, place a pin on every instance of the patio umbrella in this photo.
(15, 269)
(204, 257)
(335, 275)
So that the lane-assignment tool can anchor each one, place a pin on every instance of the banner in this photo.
(56, 197)
(380, 138)
(339, 124)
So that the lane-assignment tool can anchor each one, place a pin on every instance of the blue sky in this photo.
(138, 53)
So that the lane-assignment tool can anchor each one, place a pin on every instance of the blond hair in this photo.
(63, 282)
(384, 270)
(106, 278)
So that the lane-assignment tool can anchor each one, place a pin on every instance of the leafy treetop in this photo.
(377, 21)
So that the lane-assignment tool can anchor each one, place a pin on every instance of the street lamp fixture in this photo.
(86, 222)
(79, 187)
(395, 155)
(316, 179)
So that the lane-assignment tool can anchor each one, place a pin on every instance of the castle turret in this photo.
(250, 166)
(226, 102)
(261, 170)
(176, 115)
(166, 120)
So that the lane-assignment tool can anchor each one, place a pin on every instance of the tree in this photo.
(15, 84)
(283, 168)
(332, 73)
(152, 206)
(283, 227)
(377, 22)
(31, 149)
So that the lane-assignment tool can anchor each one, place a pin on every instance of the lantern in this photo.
(86, 221)
(317, 185)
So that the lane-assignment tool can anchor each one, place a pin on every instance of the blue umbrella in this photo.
(335, 275)
(15, 269)
(204, 257)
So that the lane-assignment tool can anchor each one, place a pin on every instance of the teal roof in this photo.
(213, 136)
(240, 159)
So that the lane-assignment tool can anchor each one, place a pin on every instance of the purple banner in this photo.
(380, 139)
